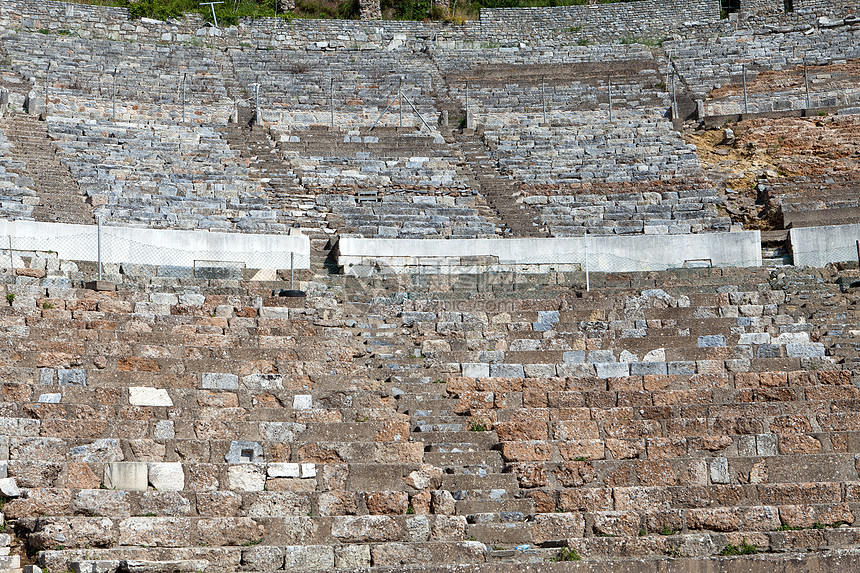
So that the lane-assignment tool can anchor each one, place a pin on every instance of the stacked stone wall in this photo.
(598, 22)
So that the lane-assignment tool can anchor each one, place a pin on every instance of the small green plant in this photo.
(149, 514)
(462, 123)
(579, 459)
(786, 527)
(744, 549)
(567, 554)
(250, 543)
(821, 113)
(642, 532)
(669, 530)
(573, 29)
(361, 418)
(498, 548)
(582, 42)
(471, 538)
(438, 381)
(47, 305)
(10, 297)
(661, 86)
(410, 510)
(477, 426)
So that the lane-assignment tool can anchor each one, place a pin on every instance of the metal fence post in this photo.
(99, 219)
(47, 83)
(587, 278)
(292, 257)
(256, 103)
(744, 74)
(674, 98)
(11, 258)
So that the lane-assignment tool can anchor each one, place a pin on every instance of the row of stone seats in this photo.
(16, 195)
(147, 346)
(159, 175)
(582, 175)
(633, 147)
(372, 183)
(650, 455)
(294, 85)
(409, 216)
(525, 79)
(144, 72)
(708, 64)
(103, 416)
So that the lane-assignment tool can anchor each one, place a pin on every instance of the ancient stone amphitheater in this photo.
(562, 289)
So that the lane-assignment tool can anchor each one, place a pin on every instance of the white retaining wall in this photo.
(156, 246)
(817, 246)
(360, 256)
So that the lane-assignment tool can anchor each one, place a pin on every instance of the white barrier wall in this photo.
(603, 253)
(156, 246)
(817, 246)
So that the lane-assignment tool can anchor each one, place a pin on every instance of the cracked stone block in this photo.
(167, 476)
(72, 377)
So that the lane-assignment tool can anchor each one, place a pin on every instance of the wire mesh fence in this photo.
(169, 253)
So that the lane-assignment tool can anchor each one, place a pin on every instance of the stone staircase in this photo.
(59, 194)
(499, 192)
(295, 209)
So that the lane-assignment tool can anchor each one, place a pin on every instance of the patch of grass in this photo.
(579, 459)
(821, 113)
(669, 531)
(567, 554)
(582, 42)
(744, 549)
(477, 426)
(10, 298)
(251, 543)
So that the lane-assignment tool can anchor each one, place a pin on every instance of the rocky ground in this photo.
(751, 156)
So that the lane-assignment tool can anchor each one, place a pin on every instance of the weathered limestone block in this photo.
(367, 528)
(167, 476)
(73, 532)
(155, 531)
(309, 557)
(218, 531)
(105, 502)
(555, 526)
(247, 477)
(144, 396)
(280, 504)
(130, 476)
